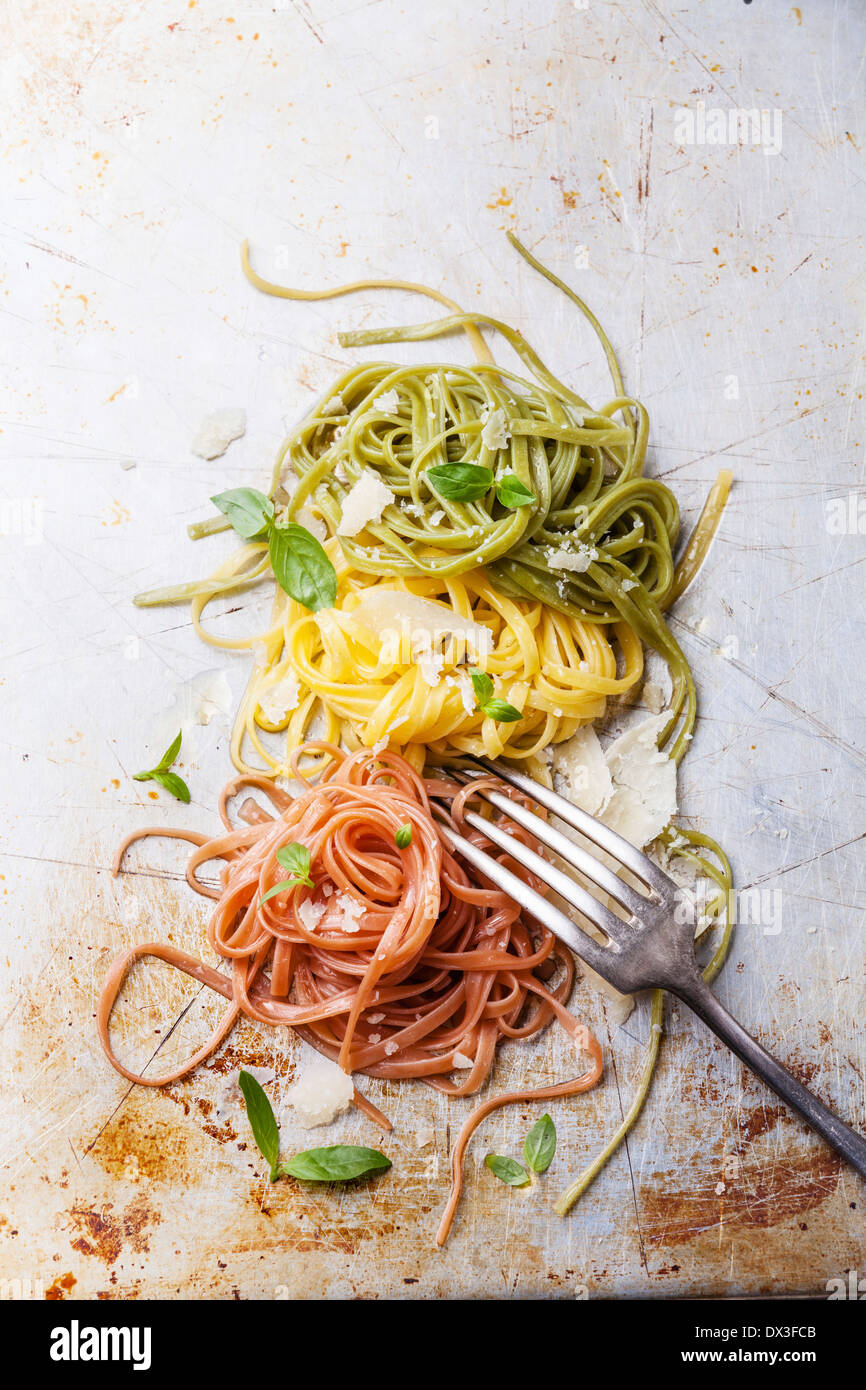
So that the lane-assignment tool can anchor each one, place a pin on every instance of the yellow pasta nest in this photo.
(390, 663)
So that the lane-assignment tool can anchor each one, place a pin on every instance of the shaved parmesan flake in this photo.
(216, 432)
(388, 402)
(495, 434)
(645, 784)
(364, 503)
(320, 1094)
(278, 700)
(462, 1063)
(423, 625)
(580, 767)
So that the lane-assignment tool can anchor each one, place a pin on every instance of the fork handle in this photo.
(699, 997)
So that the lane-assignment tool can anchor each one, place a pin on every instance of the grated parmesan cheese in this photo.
(364, 503)
(388, 402)
(577, 561)
(461, 1062)
(321, 1093)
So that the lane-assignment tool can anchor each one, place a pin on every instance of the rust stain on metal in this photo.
(104, 1235)
(762, 1196)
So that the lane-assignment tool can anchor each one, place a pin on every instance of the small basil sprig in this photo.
(512, 493)
(461, 482)
(490, 704)
(249, 511)
(539, 1146)
(403, 838)
(169, 780)
(295, 859)
(507, 1170)
(338, 1163)
(300, 565)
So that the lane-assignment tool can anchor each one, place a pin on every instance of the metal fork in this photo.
(648, 949)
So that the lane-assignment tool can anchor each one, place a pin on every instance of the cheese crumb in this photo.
(364, 503)
(430, 665)
(320, 1094)
(388, 402)
(425, 1136)
(653, 696)
(462, 1063)
(310, 913)
(216, 432)
(350, 912)
(578, 561)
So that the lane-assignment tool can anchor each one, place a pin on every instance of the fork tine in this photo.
(587, 864)
(614, 927)
(600, 958)
(623, 850)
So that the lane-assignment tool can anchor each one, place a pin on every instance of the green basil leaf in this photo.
(301, 567)
(512, 492)
(501, 711)
(250, 512)
(461, 482)
(296, 858)
(162, 767)
(540, 1145)
(280, 887)
(172, 783)
(403, 838)
(482, 685)
(262, 1121)
(507, 1170)
(170, 754)
(339, 1163)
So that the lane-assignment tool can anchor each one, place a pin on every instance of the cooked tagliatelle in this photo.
(392, 957)
(389, 664)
